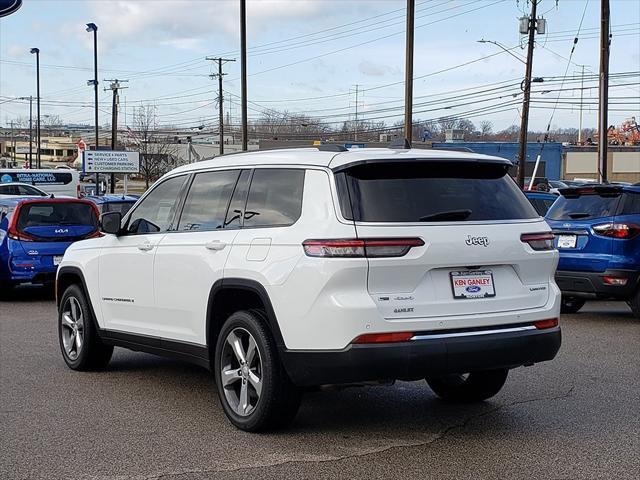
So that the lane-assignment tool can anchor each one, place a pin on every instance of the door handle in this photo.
(215, 245)
(146, 246)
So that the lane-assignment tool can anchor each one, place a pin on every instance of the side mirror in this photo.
(110, 222)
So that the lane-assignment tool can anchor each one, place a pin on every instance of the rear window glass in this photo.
(583, 207)
(58, 213)
(630, 204)
(431, 192)
(275, 197)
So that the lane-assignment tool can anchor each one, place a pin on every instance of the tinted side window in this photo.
(236, 207)
(631, 205)
(206, 204)
(275, 198)
(156, 211)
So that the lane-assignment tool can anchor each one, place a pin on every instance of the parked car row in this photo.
(36, 229)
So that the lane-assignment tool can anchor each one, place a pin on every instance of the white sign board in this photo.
(22, 150)
(109, 161)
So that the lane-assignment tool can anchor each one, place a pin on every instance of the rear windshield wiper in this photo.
(579, 215)
(446, 215)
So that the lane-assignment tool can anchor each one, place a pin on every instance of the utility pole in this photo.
(30, 98)
(581, 99)
(603, 88)
(526, 87)
(36, 51)
(408, 73)
(114, 87)
(243, 64)
(355, 126)
(13, 143)
(219, 75)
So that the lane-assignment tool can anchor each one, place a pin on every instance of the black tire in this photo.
(92, 354)
(634, 303)
(571, 304)
(6, 289)
(470, 387)
(278, 402)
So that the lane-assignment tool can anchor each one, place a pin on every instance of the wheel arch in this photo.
(68, 276)
(232, 294)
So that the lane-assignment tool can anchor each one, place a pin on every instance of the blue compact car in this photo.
(113, 203)
(34, 234)
(597, 230)
(541, 201)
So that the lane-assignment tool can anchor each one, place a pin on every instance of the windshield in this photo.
(583, 207)
(431, 192)
(56, 213)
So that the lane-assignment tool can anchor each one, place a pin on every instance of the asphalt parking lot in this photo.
(151, 418)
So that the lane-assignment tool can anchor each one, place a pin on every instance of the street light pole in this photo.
(92, 27)
(37, 53)
(243, 74)
(30, 98)
(603, 92)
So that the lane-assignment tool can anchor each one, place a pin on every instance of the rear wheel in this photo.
(469, 387)
(634, 303)
(571, 304)
(79, 342)
(6, 288)
(253, 387)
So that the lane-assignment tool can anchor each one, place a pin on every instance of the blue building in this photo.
(550, 160)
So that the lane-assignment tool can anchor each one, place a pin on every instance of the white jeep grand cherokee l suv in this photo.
(285, 269)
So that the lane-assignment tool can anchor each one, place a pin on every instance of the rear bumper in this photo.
(426, 355)
(592, 285)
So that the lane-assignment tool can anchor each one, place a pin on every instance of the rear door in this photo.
(470, 217)
(191, 257)
(573, 217)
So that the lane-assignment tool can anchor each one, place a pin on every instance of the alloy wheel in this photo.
(241, 372)
(72, 328)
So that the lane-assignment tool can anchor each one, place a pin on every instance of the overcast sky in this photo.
(308, 56)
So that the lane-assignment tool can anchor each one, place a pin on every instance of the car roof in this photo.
(621, 187)
(21, 183)
(314, 156)
(110, 198)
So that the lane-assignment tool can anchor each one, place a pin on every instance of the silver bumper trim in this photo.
(473, 333)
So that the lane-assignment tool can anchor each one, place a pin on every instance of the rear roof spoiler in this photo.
(602, 190)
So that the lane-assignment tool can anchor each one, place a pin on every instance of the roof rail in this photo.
(332, 147)
(400, 144)
(456, 149)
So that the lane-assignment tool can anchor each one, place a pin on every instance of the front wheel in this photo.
(469, 387)
(634, 303)
(571, 304)
(254, 389)
(81, 347)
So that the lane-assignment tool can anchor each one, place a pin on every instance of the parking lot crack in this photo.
(445, 432)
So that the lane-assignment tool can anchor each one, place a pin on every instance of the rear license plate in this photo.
(472, 284)
(57, 259)
(567, 241)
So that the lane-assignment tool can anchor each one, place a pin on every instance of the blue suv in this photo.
(34, 234)
(597, 232)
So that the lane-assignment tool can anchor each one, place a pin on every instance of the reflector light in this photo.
(549, 323)
(621, 281)
(538, 241)
(365, 247)
(622, 231)
(384, 337)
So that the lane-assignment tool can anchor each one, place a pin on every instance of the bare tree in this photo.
(486, 128)
(157, 154)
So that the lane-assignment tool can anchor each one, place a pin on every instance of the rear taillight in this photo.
(361, 247)
(538, 241)
(623, 231)
(384, 337)
(548, 323)
(15, 234)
